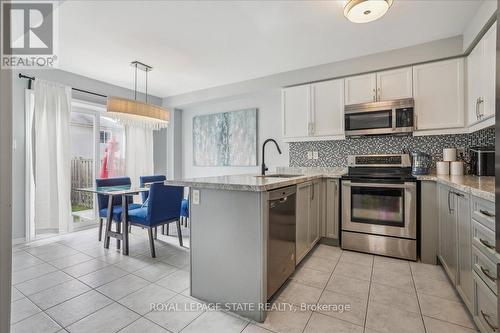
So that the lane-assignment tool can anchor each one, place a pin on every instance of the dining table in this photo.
(125, 191)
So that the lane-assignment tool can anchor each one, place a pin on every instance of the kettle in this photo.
(421, 163)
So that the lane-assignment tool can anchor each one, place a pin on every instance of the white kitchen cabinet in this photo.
(332, 209)
(395, 84)
(327, 112)
(314, 213)
(481, 70)
(303, 206)
(296, 107)
(438, 89)
(360, 89)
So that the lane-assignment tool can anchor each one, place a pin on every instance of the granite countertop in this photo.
(483, 187)
(255, 183)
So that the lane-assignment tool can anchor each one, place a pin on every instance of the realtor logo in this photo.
(28, 30)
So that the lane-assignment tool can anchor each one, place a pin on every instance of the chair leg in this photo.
(166, 226)
(118, 230)
(100, 228)
(151, 243)
(179, 233)
(129, 229)
(163, 229)
(156, 232)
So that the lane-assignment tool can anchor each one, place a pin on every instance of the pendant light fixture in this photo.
(364, 11)
(135, 112)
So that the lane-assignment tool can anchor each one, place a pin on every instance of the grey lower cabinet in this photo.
(331, 220)
(308, 215)
(455, 248)
(466, 251)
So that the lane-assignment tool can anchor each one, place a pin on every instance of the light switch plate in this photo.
(309, 155)
(315, 155)
(196, 197)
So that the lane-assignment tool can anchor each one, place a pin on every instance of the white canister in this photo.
(443, 168)
(457, 168)
(449, 154)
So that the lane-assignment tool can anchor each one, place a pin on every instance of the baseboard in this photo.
(17, 241)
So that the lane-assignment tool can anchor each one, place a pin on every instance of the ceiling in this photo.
(195, 45)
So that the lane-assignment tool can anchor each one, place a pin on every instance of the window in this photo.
(104, 136)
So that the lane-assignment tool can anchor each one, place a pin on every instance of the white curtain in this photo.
(138, 152)
(52, 163)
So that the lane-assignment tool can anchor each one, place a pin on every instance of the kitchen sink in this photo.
(278, 175)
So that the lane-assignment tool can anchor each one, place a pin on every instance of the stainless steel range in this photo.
(379, 206)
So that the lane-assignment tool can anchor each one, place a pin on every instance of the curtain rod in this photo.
(32, 78)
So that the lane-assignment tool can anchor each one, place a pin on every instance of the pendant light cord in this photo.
(147, 70)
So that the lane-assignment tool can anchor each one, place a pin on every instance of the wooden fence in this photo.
(82, 176)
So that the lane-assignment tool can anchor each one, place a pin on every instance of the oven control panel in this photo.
(387, 160)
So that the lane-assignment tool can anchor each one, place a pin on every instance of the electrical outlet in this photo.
(309, 155)
(196, 197)
(315, 155)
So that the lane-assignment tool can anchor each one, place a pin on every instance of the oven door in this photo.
(387, 209)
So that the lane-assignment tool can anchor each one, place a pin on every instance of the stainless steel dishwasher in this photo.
(281, 238)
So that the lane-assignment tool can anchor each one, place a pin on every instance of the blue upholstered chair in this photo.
(162, 208)
(102, 201)
(185, 211)
(149, 179)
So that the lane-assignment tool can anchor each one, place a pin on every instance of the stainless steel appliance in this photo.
(281, 238)
(379, 206)
(482, 161)
(377, 118)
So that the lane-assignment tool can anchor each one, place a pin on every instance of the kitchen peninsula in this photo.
(229, 233)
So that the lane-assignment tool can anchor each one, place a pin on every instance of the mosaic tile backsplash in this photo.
(334, 153)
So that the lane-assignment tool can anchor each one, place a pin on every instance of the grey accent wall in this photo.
(440, 49)
(18, 132)
(334, 153)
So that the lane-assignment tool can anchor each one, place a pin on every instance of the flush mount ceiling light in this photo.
(135, 112)
(363, 11)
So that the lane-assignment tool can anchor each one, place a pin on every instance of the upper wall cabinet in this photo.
(438, 89)
(481, 65)
(360, 89)
(381, 86)
(296, 105)
(313, 111)
(394, 84)
(327, 113)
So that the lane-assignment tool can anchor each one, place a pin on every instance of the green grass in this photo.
(78, 208)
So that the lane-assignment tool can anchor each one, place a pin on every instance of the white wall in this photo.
(269, 126)
(484, 13)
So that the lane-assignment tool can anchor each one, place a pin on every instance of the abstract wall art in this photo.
(225, 139)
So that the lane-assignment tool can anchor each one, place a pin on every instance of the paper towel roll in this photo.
(443, 168)
(449, 154)
(457, 168)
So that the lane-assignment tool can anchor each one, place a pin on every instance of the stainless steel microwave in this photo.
(379, 118)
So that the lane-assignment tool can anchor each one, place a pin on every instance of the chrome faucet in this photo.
(264, 168)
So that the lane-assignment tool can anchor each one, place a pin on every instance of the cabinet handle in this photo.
(449, 206)
(486, 243)
(374, 95)
(477, 110)
(485, 212)
(487, 273)
(378, 94)
(485, 317)
(312, 193)
(480, 101)
(459, 194)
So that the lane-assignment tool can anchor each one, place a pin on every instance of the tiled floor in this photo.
(70, 283)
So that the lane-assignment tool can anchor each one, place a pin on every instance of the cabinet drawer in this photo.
(485, 268)
(484, 239)
(483, 211)
(485, 309)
